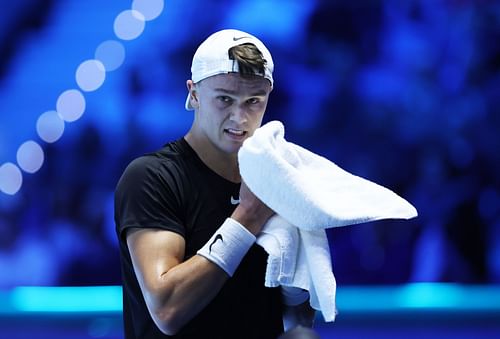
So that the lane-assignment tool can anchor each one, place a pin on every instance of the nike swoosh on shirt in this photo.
(234, 201)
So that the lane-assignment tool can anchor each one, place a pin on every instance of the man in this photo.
(187, 224)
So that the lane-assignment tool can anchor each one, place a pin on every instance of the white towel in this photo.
(290, 251)
(309, 193)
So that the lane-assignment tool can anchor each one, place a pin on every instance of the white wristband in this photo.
(293, 296)
(228, 245)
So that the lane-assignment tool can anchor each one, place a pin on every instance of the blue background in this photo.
(403, 93)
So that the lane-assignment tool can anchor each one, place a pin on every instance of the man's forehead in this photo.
(234, 82)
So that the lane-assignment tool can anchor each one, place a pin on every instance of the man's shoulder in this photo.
(153, 166)
(169, 155)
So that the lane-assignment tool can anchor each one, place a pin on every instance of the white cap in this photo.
(212, 56)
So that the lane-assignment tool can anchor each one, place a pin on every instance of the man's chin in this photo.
(232, 148)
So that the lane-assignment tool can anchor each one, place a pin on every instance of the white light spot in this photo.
(151, 9)
(30, 156)
(11, 178)
(70, 105)
(111, 53)
(90, 75)
(50, 126)
(129, 24)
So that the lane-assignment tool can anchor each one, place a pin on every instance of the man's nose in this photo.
(239, 114)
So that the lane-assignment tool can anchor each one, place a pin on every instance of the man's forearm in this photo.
(191, 286)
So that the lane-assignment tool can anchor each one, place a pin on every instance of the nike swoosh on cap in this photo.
(239, 38)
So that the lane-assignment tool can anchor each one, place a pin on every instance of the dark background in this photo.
(403, 93)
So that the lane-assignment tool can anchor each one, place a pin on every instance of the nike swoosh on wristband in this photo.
(239, 38)
(217, 237)
(234, 201)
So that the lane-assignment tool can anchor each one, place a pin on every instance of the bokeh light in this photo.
(129, 24)
(50, 126)
(111, 53)
(151, 9)
(30, 156)
(11, 178)
(71, 105)
(90, 75)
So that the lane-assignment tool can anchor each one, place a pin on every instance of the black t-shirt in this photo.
(172, 189)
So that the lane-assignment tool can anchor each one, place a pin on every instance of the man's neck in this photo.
(225, 165)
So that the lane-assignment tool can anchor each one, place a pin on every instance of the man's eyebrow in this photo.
(258, 93)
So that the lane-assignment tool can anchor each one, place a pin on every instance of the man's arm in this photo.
(175, 291)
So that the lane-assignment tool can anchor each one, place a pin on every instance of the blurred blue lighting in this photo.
(30, 156)
(350, 299)
(11, 178)
(67, 299)
(111, 53)
(489, 203)
(71, 105)
(50, 126)
(380, 84)
(260, 17)
(430, 295)
(151, 9)
(426, 296)
(129, 25)
(409, 46)
(90, 75)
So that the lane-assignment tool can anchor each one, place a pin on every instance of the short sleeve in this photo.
(148, 195)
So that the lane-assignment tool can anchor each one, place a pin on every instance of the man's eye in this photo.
(253, 101)
(224, 99)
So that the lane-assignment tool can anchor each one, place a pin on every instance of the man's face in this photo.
(230, 108)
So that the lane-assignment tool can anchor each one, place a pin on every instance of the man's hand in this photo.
(251, 212)
(302, 314)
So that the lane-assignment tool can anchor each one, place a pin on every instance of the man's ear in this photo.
(193, 94)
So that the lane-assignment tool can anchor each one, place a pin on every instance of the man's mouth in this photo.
(235, 132)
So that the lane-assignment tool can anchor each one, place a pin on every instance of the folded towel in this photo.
(282, 243)
(308, 193)
(290, 251)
